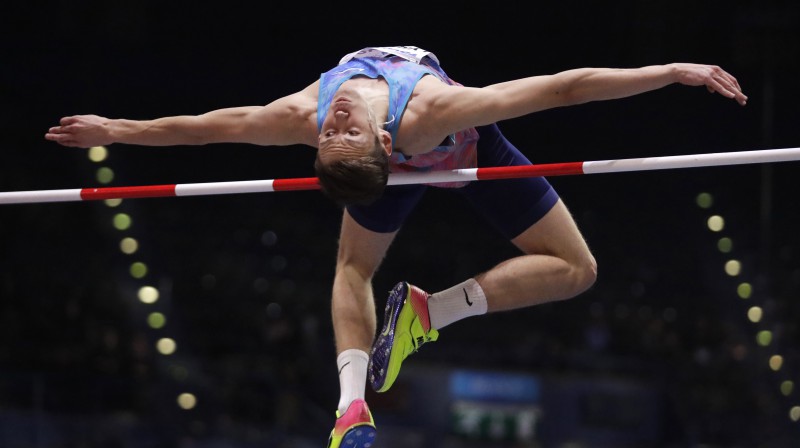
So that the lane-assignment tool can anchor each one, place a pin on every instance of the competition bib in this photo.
(409, 53)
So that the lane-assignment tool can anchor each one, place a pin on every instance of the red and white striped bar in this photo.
(473, 174)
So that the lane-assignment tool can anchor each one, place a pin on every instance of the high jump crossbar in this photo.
(430, 177)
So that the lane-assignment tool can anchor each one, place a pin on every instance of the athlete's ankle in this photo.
(455, 303)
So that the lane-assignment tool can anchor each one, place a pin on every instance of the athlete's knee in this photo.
(584, 273)
(589, 271)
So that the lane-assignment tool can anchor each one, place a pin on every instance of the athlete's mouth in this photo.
(341, 105)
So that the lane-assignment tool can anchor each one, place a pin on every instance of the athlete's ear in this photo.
(386, 141)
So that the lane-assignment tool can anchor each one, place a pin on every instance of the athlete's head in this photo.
(352, 162)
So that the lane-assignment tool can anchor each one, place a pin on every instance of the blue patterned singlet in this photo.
(402, 68)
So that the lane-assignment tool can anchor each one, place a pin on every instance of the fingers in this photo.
(62, 134)
(56, 135)
(724, 83)
(61, 139)
(66, 121)
(57, 130)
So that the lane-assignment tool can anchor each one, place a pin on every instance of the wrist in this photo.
(672, 73)
(117, 130)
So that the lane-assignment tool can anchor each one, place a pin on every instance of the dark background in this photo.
(245, 279)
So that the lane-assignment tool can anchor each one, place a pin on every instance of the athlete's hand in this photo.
(81, 131)
(714, 78)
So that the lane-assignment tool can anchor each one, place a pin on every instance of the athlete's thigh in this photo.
(361, 248)
(556, 233)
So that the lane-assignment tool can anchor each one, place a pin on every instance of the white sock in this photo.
(352, 366)
(456, 303)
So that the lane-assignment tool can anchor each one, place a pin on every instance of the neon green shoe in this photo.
(406, 327)
(354, 429)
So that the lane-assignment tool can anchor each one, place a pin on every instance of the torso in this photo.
(417, 132)
(427, 134)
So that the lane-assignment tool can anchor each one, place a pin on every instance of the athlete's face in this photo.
(349, 129)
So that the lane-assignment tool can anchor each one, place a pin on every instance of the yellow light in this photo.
(113, 202)
(704, 200)
(725, 245)
(794, 413)
(156, 320)
(105, 175)
(122, 221)
(733, 268)
(187, 401)
(755, 314)
(148, 294)
(764, 338)
(786, 388)
(166, 346)
(138, 270)
(776, 362)
(745, 290)
(716, 223)
(128, 245)
(97, 153)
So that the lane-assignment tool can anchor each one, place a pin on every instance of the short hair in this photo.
(355, 181)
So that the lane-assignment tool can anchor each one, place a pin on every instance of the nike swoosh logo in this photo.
(466, 297)
(388, 329)
(345, 365)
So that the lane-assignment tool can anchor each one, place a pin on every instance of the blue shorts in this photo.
(510, 205)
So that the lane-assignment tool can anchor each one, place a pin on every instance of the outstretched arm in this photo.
(519, 97)
(596, 84)
(286, 121)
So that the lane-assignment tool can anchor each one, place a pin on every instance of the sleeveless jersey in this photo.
(402, 68)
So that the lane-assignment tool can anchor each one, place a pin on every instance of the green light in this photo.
(105, 175)
(156, 320)
(704, 200)
(786, 388)
(122, 221)
(764, 338)
(138, 269)
(725, 245)
(745, 290)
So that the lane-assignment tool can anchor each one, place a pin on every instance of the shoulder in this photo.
(430, 91)
(426, 122)
(447, 107)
